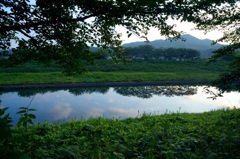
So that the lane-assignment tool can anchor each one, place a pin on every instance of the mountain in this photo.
(203, 46)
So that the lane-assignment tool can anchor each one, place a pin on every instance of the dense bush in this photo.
(179, 135)
(146, 52)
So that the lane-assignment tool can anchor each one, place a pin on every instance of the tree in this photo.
(145, 51)
(224, 16)
(148, 52)
(61, 31)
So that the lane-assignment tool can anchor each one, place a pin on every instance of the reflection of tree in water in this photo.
(138, 91)
(31, 92)
(149, 91)
(75, 91)
(88, 90)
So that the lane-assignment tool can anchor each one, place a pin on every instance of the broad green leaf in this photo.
(21, 112)
(31, 109)
(31, 116)
(2, 110)
(23, 108)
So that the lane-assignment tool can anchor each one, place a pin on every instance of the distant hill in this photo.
(203, 46)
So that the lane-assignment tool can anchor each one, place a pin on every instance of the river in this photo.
(61, 105)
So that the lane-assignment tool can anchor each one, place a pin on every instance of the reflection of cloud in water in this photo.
(60, 111)
(110, 100)
(119, 112)
(96, 112)
(227, 101)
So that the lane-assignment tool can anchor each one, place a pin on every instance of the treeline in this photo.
(148, 52)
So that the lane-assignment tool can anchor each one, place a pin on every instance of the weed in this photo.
(26, 117)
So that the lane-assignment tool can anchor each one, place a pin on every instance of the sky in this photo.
(187, 28)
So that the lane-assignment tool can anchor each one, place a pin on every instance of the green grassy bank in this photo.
(208, 135)
(58, 77)
(107, 71)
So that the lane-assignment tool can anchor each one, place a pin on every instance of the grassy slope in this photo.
(206, 135)
(58, 77)
(106, 71)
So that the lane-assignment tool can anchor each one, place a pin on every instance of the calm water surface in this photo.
(61, 105)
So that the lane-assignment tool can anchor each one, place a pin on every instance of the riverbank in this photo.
(59, 80)
(106, 73)
(102, 84)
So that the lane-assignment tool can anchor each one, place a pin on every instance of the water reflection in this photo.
(149, 91)
(137, 91)
(60, 111)
(88, 90)
(60, 105)
(75, 91)
(31, 92)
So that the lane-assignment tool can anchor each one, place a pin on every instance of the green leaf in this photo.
(129, 35)
(31, 109)
(21, 112)
(31, 116)
(20, 121)
(22, 108)
(2, 111)
(30, 122)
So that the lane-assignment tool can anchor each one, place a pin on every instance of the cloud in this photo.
(120, 112)
(60, 111)
(95, 112)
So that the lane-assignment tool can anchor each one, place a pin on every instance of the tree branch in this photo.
(18, 27)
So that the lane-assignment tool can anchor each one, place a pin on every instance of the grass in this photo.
(179, 135)
(107, 71)
(159, 66)
(58, 77)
